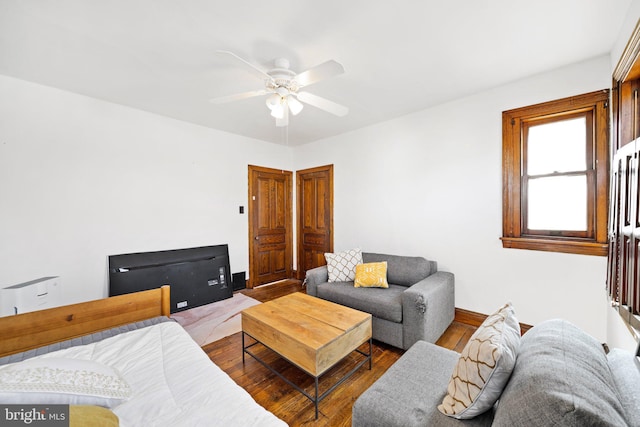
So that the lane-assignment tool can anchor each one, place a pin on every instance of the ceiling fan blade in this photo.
(257, 71)
(323, 104)
(284, 121)
(238, 96)
(319, 72)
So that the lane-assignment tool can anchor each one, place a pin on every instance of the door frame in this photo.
(288, 220)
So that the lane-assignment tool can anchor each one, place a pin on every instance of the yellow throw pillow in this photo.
(371, 275)
(94, 416)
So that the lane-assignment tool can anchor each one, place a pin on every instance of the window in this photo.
(555, 175)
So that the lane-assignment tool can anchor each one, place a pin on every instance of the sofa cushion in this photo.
(403, 270)
(379, 302)
(371, 275)
(341, 266)
(408, 392)
(484, 366)
(561, 378)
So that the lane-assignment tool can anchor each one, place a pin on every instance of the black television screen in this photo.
(197, 276)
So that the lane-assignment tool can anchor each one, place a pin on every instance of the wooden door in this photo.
(315, 216)
(270, 224)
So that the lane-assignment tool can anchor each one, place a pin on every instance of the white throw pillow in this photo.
(341, 266)
(484, 366)
(62, 381)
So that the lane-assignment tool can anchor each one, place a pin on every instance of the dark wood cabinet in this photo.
(623, 272)
(623, 266)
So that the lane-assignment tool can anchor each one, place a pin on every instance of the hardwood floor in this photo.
(290, 405)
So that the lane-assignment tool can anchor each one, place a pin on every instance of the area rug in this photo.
(211, 322)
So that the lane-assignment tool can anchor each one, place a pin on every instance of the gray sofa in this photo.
(418, 305)
(562, 377)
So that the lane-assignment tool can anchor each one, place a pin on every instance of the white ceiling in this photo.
(399, 57)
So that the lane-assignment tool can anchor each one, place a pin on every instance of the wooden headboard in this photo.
(39, 328)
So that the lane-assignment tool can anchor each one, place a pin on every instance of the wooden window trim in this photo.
(588, 172)
(513, 233)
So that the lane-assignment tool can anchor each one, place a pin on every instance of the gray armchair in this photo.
(418, 305)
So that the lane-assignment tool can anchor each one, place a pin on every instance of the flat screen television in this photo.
(197, 276)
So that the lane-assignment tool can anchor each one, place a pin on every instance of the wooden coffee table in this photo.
(312, 333)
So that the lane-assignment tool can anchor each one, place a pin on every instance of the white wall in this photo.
(430, 184)
(81, 179)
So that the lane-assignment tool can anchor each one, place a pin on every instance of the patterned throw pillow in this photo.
(371, 275)
(341, 266)
(484, 367)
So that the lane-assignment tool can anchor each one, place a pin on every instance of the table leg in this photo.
(316, 400)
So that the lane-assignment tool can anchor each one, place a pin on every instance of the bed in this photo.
(154, 374)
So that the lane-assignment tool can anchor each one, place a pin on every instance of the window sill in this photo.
(552, 245)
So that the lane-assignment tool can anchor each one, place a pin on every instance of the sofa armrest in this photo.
(625, 370)
(314, 277)
(428, 308)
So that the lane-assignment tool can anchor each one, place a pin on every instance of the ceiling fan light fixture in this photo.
(282, 91)
(277, 111)
(294, 105)
(273, 101)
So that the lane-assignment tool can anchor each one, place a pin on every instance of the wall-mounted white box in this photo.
(33, 295)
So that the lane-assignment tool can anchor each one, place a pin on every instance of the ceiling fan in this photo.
(283, 87)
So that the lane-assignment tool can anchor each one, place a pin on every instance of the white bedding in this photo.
(173, 381)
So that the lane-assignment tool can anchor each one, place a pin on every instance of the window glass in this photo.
(558, 203)
(558, 146)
